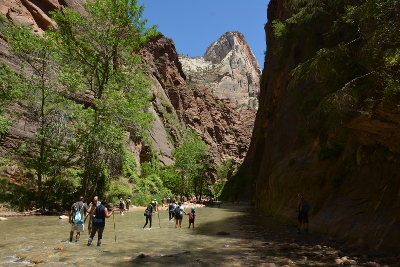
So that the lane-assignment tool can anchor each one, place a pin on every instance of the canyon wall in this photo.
(353, 193)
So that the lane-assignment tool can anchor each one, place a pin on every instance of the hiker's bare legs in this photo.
(78, 235)
(71, 235)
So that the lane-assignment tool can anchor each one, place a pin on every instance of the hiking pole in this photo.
(159, 218)
(115, 235)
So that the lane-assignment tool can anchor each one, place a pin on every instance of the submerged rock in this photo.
(223, 233)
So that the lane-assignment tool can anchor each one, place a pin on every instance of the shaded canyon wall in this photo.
(354, 196)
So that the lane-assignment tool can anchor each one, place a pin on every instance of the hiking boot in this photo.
(98, 244)
(89, 243)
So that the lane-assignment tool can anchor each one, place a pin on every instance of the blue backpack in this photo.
(305, 205)
(78, 218)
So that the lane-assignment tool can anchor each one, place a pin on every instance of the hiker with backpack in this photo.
(192, 216)
(92, 207)
(171, 210)
(179, 215)
(149, 213)
(76, 218)
(100, 214)
(121, 206)
(302, 207)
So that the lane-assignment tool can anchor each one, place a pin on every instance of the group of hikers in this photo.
(97, 212)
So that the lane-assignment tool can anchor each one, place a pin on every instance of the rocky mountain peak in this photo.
(228, 68)
(231, 42)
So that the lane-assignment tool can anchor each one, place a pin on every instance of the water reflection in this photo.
(245, 238)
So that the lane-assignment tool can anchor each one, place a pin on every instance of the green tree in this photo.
(40, 93)
(224, 172)
(99, 51)
(192, 163)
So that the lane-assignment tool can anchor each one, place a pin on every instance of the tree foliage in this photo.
(39, 91)
(99, 51)
(192, 162)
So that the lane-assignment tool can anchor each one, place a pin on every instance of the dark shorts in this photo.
(303, 217)
(178, 217)
(191, 220)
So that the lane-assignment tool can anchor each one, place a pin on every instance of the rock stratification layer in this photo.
(228, 68)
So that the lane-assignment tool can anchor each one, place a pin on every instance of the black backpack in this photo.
(147, 212)
(306, 206)
(178, 211)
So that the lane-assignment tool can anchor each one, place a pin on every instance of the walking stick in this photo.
(159, 218)
(115, 235)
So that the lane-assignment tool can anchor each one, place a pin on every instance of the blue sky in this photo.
(195, 24)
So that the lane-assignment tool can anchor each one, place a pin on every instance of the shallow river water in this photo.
(248, 238)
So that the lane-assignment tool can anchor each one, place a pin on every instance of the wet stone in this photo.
(37, 260)
(372, 264)
(287, 262)
(223, 233)
(281, 247)
(293, 255)
(317, 247)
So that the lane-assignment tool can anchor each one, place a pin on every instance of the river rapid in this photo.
(232, 235)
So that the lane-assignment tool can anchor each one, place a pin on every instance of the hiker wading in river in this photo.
(100, 214)
(149, 213)
(76, 218)
(179, 215)
(92, 206)
(302, 207)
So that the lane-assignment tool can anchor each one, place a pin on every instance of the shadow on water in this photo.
(233, 235)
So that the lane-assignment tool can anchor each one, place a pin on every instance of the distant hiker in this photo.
(168, 199)
(162, 201)
(92, 208)
(171, 210)
(76, 218)
(178, 215)
(128, 203)
(149, 213)
(121, 206)
(155, 205)
(192, 215)
(302, 207)
(99, 221)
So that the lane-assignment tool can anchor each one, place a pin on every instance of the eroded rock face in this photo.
(36, 13)
(218, 123)
(228, 68)
(354, 196)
